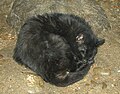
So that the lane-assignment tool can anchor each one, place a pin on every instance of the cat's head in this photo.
(87, 47)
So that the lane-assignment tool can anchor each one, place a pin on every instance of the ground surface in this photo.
(103, 77)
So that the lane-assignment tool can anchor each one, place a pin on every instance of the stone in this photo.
(90, 10)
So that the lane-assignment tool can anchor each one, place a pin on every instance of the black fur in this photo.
(58, 47)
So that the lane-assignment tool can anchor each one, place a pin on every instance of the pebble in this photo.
(105, 73)
(1, 56)
(118, 71)
(78, 87)
(104, 85)
(101, 71)
(112, 85)
(34, 83)
(97, 70)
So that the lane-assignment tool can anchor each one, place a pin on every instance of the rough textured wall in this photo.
(88, 9)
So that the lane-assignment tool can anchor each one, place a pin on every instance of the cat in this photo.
(58, 47)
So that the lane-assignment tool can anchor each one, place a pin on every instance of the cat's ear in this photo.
(100, 42)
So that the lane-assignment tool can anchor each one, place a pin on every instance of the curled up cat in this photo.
(58, 47)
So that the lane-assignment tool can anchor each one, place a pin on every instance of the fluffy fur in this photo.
(58, 47)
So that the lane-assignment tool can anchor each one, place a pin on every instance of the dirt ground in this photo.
(103, 77)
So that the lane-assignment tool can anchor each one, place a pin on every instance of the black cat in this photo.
(58, 47)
